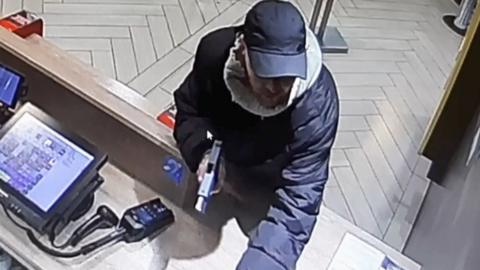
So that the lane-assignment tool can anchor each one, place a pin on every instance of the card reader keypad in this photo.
(146, 219)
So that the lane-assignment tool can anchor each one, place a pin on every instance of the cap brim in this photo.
(267, 65)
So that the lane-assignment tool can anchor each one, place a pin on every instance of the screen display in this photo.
(39, 162)
(9, 85)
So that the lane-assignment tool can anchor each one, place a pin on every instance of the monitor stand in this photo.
(78, 207)
(83, 207)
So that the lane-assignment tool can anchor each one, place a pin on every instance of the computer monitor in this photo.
(10, 86)
(43, 166)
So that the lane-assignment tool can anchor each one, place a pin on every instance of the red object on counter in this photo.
(168, 117)
(23, 23)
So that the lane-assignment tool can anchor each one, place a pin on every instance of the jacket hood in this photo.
(234, 74)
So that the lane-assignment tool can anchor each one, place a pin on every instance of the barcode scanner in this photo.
(104, 218)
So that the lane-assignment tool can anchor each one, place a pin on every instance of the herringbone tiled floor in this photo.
(389, 83)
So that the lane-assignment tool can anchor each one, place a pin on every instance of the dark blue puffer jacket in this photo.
(304, 132)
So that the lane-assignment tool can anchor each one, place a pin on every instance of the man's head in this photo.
(273, 50)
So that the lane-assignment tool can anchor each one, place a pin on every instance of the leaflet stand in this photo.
(331, 41)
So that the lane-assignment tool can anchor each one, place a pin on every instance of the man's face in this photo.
(269, 92)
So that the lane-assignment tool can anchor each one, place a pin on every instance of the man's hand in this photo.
(202, 169)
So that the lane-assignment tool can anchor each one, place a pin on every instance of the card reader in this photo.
(145, 220)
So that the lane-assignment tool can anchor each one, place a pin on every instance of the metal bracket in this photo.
(331, 40)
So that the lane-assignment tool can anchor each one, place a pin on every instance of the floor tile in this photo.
(11, 7)
(359, 79)
(440, 33)
(124, 59)
(33, 5)
(226, 18)
(223, 4)
(431, 86)
(306, 7)
(82, 44)
(414, 79)
(339, 10)
(345, 140)
(356, 32)
(434, 51)
(390, 149)
(143, 47)
(157, 2)
(439, 76)
(346, 3)
(360, 93)
(406, 116)
(422, 167)
(356, 200)
(353, 66)
(87, 31)
(338, 158)
(162, 39)
(176, 24)
(352, 123)
(156, 73)
(193, 15)
(103, 61)
(400, 135)
(404, 89)
(334, 199)
(331, 176)
(208, 9)
(411, 15)
(84, 19)
(406, 214)
(382, 169)
(390, 5)
(376, 198)
(172, 82)
(378, 44)
(110, 9)
(377, 23)
(160, 98)
(350, 107)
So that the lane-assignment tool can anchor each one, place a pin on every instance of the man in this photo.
(261, 89)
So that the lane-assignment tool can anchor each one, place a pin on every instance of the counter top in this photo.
(215, 241)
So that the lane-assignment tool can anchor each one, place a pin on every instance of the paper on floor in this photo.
(355, 254)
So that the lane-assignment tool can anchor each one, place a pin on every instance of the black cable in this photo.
(52, 237)
(50, 251)
(84, 250)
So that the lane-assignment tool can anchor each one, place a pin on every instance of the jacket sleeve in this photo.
(280, 238)
(192, 119)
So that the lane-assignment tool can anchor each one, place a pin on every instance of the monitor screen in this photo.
(10, 83)
(39, 162)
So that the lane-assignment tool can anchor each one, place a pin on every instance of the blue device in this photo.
(210, 178)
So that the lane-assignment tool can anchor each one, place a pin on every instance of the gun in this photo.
(210, 178)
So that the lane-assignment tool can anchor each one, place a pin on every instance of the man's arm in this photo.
(191, 122)
(196, 97)
(193, 101)
(281, 237)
